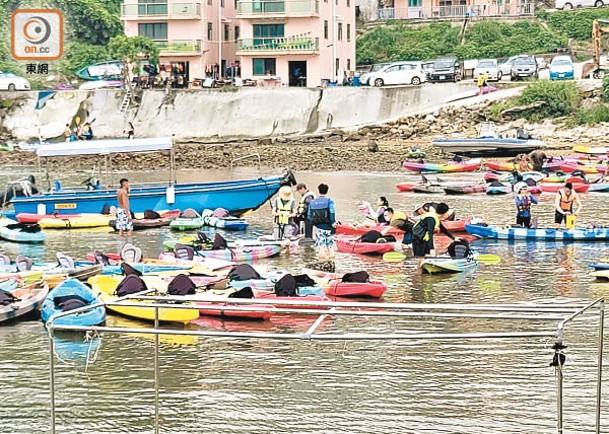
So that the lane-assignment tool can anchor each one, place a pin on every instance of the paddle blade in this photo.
(394, 257)
(487, 258)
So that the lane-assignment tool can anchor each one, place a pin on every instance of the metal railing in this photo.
(288, 43)
(274, 7)
(179, 45)
(161, 10)
(560, 314)
(458, 11)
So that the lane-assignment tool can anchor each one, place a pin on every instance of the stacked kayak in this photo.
(81, 221)
(500, 166)
(511, 179)
(599, 187)
(352, 245)
(335, 286)
(229, 223)
(446, 264)
(22, 300)
(554, 187)
(466, 189)
(464, 166)
(585, 168)
(69, 295)
(591, 150)
(521, 233)
(146, 269)
(164, 219)
(107, 285)
(10, 230)
(25, 217)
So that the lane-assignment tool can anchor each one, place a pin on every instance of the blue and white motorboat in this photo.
(546, 234)
(236, 196)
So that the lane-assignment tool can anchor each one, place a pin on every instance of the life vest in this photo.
(566, 205)
(302, 204)
(524, 205)
(320, 211)
(420, 231)
(284, 209)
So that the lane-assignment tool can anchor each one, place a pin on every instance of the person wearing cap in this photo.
(306, 196)
(563, 204)
(523, 201)
(283, 211)
(423, 232)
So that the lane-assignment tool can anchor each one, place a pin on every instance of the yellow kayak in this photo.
(106, 285)
(590, 150)
(81, 221)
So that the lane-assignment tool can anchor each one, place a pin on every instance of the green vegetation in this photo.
(593, 115)
(561, 98)
(399, 41)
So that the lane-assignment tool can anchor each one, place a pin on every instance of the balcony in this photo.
(277, 46)
(166, 11)
(179, 47)
(273, 8)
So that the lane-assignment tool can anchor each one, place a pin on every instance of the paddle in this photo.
(483, 258)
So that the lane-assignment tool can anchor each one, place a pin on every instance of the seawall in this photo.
(210, 114)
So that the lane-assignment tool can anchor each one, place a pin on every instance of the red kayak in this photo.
(345, 229)
(587, 169)
(554, 187)
(351, 245)
(373, 289)
(25, 217)
(268, 295)
(406, 186)
(223, 310)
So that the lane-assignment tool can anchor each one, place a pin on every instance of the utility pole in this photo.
(334, 71)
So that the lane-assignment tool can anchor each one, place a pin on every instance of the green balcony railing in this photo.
(183, 46)
(289, 43)
(161, 10)
(273, 7)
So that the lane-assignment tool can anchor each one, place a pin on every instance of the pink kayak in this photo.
(351, 245)
(372, 289)
(224, 310)
(24, 217)
(450, 167)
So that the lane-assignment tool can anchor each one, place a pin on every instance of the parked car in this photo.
(541, 63)
(490, 67)
(365, 77)
(446, 69)
(399, 73)
(524, 67)
(10, 81)
(561, 68)
(570, 4)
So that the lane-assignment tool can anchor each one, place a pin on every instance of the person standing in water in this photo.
(563, 204)
(123, 212)
(130, 131)
(306, 196)
(322, 215)
(523, 201)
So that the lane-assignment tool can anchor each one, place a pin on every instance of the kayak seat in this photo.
(243, 272)
(245, 292)
(70, 302)
(129, 270)
(23, 263)
(190, 213)
(220, 213)
(151, 215)
(101, 258)
(203, 238)
(65, 261)
(131, 253)
(286, 286)
(7, 298)
(181, 285)
(131, 284)
(184, 252)
(4, 259)
(357, 277)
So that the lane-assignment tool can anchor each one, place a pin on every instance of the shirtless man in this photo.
(123, 213)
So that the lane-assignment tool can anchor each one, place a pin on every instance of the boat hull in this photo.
(234, 196)
(488, 147)
(521, 233)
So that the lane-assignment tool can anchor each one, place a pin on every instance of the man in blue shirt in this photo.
(322, 215)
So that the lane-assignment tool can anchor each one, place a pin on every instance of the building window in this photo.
(222, 3)
(340, 31)
(325, 29)
(348, 32)
(237, 32)
(226, 32)
(263, 33)
(209, 2)
(415, 3)
(210, 31)
(348, 3)
(348, 64)
(265, 66)
(337, 67)
(148, 7)
(156, 31)
(236, 6)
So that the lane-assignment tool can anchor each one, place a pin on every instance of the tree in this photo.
(133, 48)
(90, 21)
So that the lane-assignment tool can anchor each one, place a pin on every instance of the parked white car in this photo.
(365, 77)
(399, 73)
(570, 4)
(10, 81)
(490, 67)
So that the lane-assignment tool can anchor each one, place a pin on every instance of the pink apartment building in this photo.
(296, 42)
(430, 9)
(192, 36)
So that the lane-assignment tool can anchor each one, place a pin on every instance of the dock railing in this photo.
(559, 313)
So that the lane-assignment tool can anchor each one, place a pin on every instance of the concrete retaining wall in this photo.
(247, 112)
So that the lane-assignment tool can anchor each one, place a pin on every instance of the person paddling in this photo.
(523, 201)
(563, 204)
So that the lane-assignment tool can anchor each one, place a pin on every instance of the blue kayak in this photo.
(69, 295)
(228, 223)
(145, 268)
(599, 265)
(499, 189)
(547, 234)
(19, 235)
(269, 285)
